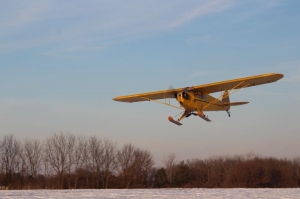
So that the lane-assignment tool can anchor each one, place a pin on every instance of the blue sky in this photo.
(62, 62)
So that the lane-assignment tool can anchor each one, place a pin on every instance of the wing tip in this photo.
(116, 99)
(277, 76)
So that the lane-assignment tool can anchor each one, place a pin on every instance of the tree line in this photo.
(66, 161)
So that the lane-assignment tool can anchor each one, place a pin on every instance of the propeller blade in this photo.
(170, 87)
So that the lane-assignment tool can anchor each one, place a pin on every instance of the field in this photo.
(154, 193)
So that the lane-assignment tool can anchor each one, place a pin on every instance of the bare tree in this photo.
(296, 162)
(135, 165)
(32, 157)
(47, 169)
(58, 149)
(71, 142)
(215, 171)
(199, 172)
(109, 163)
(170, 165)
(142, 165)
(80, 157)
(96, 149)
(125, 158)
(11, 159)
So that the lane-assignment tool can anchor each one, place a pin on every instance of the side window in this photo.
(201, 95)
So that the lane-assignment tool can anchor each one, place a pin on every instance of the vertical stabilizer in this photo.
(225, 99)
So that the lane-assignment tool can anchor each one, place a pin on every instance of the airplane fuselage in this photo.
(205, 102)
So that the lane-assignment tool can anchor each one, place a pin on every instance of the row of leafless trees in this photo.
(247, 171)
(66, 161)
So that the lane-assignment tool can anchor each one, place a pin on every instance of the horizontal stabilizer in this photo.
(235, 103)
(174, 121)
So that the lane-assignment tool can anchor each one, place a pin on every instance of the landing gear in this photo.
(228, 112)
(201, 114)
(174, 121)
(188, 113)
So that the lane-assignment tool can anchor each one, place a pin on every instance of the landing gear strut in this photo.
(228, 112)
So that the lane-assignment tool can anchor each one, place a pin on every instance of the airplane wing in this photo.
(163, 94)
(229, 84)
(206, 88)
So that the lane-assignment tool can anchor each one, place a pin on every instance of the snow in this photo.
(154, 193)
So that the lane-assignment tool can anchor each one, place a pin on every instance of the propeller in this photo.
(185, 92)
(170, 87)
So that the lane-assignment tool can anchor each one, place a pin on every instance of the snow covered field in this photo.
(154, 193)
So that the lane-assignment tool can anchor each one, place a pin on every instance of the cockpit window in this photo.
(200, 94)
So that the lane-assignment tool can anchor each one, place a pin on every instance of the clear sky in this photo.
(62, 62)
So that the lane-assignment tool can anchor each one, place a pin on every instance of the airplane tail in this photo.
(226, 100)
(227, 104)
(225, 97)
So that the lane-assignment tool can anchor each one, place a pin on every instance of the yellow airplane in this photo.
(195, 100)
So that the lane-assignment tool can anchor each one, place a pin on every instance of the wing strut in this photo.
(162, 103)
